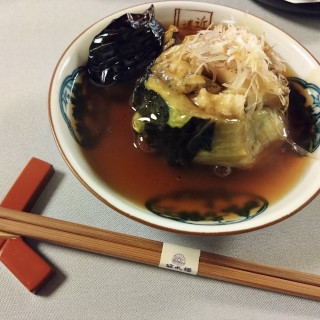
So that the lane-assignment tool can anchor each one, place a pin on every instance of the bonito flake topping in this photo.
(218, 98)
(235, 58)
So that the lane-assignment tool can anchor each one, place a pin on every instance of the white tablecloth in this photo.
(33, 35)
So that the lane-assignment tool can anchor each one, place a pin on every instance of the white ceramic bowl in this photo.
(300, 60)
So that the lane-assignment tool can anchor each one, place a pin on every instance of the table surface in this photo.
(33, 36)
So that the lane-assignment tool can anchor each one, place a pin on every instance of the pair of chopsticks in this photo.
(149, 252)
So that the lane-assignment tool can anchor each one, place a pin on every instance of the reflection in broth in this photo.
(102, 125)
(207, 206)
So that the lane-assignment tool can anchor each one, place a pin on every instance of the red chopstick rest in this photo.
(31, 269)
(28, 186)
(27, 266)
(2, 241)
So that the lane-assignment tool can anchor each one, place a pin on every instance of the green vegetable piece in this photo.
(179, 145)
(236, 144)
(171, 124)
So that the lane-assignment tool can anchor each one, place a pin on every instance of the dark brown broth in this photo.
(140, 176)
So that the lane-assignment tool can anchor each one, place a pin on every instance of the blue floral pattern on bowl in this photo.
(208, 207)
(65, 95)
(314, 109)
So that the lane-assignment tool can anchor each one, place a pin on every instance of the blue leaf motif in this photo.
(314, 92)
(65, 95)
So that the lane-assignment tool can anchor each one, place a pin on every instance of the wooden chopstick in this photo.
(7, 235)
(146, 251)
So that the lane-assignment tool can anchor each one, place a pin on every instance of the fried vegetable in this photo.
(197, 136)
(125, 48)
(218, 98)
(174, 137)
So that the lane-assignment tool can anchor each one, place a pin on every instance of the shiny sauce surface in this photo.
(141, 176)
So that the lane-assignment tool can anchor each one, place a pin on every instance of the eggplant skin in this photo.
(178, 145)
(123, 50)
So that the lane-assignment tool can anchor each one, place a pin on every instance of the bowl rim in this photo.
(111, 205)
